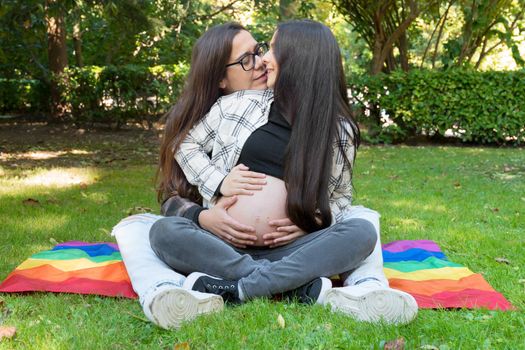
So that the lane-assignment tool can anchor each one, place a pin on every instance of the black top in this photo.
(264, 149)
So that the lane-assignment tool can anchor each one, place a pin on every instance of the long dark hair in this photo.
(311, 92)
(208, 66)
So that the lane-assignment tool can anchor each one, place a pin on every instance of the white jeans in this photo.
(147, 272)
(371, 267)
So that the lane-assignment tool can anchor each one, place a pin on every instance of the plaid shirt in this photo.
(225, 129)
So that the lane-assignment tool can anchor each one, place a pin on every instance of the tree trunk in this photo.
(440, 34)
(57, 55)
(77, 43)
(378, 61)
(403, 52)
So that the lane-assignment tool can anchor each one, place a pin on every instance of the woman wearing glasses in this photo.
(304, 143)
(158, 286)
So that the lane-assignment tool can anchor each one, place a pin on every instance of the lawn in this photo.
(75, 185)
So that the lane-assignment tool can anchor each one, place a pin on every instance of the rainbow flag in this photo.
(422, 270)
(416, 267)
(73, 267)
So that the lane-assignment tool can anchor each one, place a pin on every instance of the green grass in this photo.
(469, 200)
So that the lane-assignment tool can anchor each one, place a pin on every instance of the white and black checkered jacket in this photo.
(225, 129)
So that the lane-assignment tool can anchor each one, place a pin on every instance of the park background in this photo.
(437, 86)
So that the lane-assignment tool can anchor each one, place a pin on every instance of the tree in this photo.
(57, 54)
(383, 25)
(482, 18)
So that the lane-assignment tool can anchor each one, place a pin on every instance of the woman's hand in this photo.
(217, 221)
(285, 232)
(242, 181)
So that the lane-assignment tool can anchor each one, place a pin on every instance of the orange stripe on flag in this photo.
(111, 273)
(431, 287)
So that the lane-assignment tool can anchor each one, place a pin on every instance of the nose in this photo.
(265, 58)
(259, 63)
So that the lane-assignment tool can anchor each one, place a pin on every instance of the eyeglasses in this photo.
(247, 61)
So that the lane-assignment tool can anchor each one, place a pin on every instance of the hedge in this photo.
(482, 107)
(102, 94)
(122, 94)
(23, 96)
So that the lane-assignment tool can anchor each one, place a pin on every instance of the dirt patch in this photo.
(29, 145)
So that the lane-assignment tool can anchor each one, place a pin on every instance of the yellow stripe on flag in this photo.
(448, 273)
(65, 265)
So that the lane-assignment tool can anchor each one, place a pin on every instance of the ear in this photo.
(222, 84)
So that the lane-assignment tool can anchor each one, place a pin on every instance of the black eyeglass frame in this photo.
(262, 45)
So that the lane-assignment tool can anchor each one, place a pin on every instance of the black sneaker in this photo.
(310, 293)
(207, 284)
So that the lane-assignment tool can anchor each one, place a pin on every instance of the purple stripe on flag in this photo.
(400, 246)
(86, 244)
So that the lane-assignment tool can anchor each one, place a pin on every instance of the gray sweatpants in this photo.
(187, 248)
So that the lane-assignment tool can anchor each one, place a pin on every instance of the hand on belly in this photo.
(261, 207)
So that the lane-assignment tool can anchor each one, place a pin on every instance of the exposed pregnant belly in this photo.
(265, 205)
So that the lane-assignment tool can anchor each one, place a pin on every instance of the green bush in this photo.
(120, 94)
(483, 107)
(23, 96)
(101, 94)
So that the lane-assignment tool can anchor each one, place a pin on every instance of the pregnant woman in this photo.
(306, 190)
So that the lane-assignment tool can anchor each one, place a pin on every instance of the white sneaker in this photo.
(371, 301)
(169, 306)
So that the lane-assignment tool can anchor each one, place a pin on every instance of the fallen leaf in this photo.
(7, 332)
(457, 185)
(503, 260)
(182, 346)
(280, 321)
(31, 202)
(398, 344)
(495, 210)
(138, 210)
(83, 185)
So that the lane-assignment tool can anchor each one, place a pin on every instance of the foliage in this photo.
(473, 106)
(384, 25)
(23, 96)
(23, 40)
(487, 24)
(120, 94)
(373, 36)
